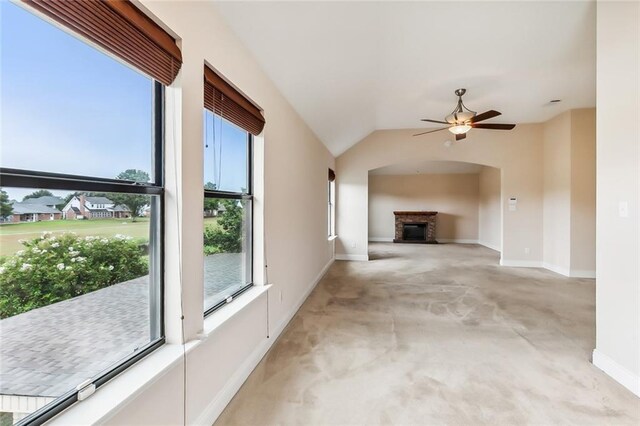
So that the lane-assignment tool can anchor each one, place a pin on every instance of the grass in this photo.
(12, 233)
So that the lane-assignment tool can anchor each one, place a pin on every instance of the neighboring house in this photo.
(219, 210)
(83, 207)
(47, 200)
(33, 212)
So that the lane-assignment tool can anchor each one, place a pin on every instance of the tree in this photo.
(5, 206)
(135, 202)
(37, 194)
(210, 204)
(134, 175)
(227, 236)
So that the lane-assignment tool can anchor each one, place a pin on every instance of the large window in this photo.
(80, 217)
(331, 204)
(227, 211)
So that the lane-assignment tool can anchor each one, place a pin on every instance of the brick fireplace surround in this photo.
(427, 218)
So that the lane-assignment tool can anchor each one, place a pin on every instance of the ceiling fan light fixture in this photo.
(459, 129)
(464, 116)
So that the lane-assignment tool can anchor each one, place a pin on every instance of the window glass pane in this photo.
(225, 155)
(67, 107)
(227, 248)
(75, 290)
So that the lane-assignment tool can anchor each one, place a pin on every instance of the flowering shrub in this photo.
(52, 268)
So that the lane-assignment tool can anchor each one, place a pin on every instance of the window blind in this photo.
(223, 99)
(120, 28)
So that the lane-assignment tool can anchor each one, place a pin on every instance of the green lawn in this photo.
(12, 233)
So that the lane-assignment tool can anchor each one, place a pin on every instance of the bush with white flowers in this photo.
(52, 268)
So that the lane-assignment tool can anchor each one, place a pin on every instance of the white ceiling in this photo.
(350, 68)
(428, 168)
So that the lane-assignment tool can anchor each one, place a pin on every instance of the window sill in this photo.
(332, 237)
(228, 311)
(119, 391)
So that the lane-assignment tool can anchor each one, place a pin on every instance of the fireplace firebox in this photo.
(414, 231)
(415, 227)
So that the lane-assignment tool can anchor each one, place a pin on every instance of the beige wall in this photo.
(583, 192)
(453, 196)
(290, 208)
(557, 193)
(489, 211)
(569, 193)
(517, 153)
(618, 175)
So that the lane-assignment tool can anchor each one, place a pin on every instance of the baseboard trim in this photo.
(572, 273)
(356, 257)
(440, 240)
(456, 241)
(582, 273)
(237, 379)
(556, 268)
(521, 263)
(491, 246)
(617, 372)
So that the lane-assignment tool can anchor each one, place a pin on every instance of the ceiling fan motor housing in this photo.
(461, 114)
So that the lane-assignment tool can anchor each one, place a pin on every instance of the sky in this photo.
(67, 107)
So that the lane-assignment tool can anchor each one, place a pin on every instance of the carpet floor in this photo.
(436, 335)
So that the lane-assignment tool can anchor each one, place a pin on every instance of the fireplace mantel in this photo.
(415, 213)
(408, 223)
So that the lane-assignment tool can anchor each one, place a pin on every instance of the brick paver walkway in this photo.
(50, 350)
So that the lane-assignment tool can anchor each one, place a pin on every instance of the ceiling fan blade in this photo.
(493, 126)
(430, 131)
(461, 136)
(435, 121)
(485, 116)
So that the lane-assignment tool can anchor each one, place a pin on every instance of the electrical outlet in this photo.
(526, 250)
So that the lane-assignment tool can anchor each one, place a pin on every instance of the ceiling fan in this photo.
(462, 119)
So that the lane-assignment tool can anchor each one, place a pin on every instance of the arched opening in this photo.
(466, 196)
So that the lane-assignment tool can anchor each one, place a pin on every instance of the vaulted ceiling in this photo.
(350, 68)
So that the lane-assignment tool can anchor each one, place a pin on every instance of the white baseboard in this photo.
(582, 273)
(573, 273)
(232, 386)
(237, 379)
(556, 268)
(357, 257)
(380, 240)
(275, 333)
(617, 372)
(489, 245)
(456, 241)
(521, 263)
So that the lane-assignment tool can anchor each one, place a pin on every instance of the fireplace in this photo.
(415, 227)
(414, 231)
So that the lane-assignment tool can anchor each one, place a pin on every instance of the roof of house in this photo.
(47, 200)
(99, 200)
(120, 208)
(31, 208)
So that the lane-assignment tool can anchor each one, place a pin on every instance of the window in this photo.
(227, 211)
(80, 215)
(331, 204)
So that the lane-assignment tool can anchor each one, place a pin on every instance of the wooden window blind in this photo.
(223, 99)
(120, 28)
(332, 175)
